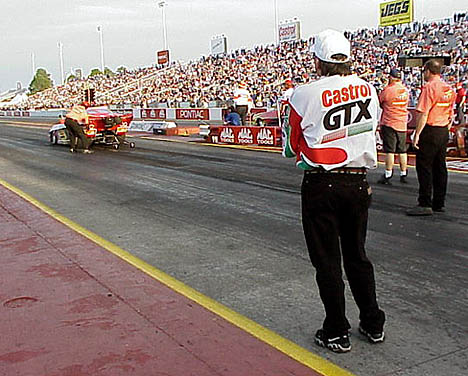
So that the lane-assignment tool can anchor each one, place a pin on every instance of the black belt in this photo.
(342, 170)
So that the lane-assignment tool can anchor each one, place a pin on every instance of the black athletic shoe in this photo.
(339, 344)
(372, 337)
(419, 211)
(439, 209)
(384, 180)
(403, 179)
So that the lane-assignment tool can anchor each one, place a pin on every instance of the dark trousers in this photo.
(334, 218)
(460, 113)
(431, 167)
(75, 130)
(242, 111)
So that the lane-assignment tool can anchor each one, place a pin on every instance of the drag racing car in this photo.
(105, 127)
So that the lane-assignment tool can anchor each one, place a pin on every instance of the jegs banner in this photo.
(396, 12)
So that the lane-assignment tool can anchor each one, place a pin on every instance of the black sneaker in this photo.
(339, 344)
(384, 180)
(440, 209)
(72, 150)
(403, 179)
(372, 337)
(419, 211)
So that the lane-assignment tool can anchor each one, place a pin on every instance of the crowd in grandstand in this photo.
(264, 68)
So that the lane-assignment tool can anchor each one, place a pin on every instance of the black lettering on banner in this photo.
(341, 115)
(405, 6)
(395, 9)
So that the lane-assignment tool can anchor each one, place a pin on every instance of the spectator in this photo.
(243, 101)
(232, 117)
(393, 123)
(460, 103)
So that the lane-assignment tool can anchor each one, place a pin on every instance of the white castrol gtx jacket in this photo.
(332, 123)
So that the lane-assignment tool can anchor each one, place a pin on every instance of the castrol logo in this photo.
(227, 135)
(265, 137)
(245, 136)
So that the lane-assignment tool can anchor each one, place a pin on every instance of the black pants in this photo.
(460, 113)
(75, 130)
(334, 218)
(431, 167)
(242, 111)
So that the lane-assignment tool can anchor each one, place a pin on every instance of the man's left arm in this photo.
(421, 119)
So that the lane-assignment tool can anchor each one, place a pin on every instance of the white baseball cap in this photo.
(330, 42)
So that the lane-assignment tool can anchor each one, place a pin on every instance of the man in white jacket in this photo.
(331, 132)
(243, 100)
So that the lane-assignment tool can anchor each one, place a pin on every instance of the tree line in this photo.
(42, 79)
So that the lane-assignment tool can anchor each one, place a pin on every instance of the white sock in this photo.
(403, 173)
(388, 174)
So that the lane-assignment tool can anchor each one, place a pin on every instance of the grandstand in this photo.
(13, 97)
(210, 81)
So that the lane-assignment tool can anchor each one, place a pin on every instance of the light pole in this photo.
(33, 63)
(163, 5)
(60, 46)
(101, 40)
(276, 22)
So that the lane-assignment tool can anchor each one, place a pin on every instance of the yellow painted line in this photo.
(273, 339)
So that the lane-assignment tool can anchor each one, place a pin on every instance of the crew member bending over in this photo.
(73, 119)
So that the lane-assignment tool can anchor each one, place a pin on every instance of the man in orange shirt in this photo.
(394, 102)
(435, 115)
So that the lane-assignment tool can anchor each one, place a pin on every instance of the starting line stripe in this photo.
(273, 339)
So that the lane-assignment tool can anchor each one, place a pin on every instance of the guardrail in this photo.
(169, 114)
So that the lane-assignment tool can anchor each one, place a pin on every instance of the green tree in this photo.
(95, 72)
(122, 69)
(71, 77)
(40, 81)
(108, 72)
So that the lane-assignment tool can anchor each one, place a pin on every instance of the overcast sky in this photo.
(133, 29)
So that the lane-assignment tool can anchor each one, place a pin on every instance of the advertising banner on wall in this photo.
(163, 57)
(192, 114)
(157, 113)
(267, 136)
(396, 12)
(289, 31)
(218, 45)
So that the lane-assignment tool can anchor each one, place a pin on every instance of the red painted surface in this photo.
(240, 135)
(70, 308)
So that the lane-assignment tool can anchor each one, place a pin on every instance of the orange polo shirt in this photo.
(436, 100)
(394, 102)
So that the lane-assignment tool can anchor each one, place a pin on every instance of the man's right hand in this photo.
(416, 141)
